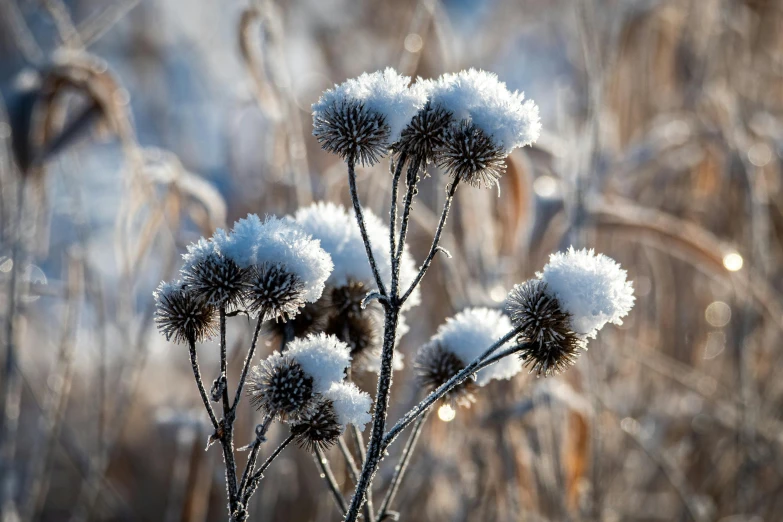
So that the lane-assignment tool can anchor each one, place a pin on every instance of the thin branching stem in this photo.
(353, 469)
(436, 239)
(252, 483)
(402, 466)
(412, 182)
(261, 430)
(393, 207)
(444, 388)
(359, 441)
(357, 208)
(248, 362)
(227, 434)
(331, 482)
(200, 384)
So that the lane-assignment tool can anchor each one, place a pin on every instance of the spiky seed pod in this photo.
(180, 315)
(351, 131)
(274, 291)
(217, 279)
(360, 332)
(424, 134)
(470, 155)
(320, 429)
(551, 344)
(347, 299)
(281, 388)
(435, 365)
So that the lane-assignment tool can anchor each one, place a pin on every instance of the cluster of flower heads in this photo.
(269, 268)
(576, 294)
(468, 122)
(305, 387)
(339, 311)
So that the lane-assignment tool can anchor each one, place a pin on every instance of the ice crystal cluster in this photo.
(468, 122)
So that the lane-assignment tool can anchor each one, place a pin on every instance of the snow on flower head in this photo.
(181, 315)
(321, 356)
(351, 404)
(481, 99)
(591, 287)
(363, 116)
(469, 333)
(340, 237)
(212, 276)
(278, 243)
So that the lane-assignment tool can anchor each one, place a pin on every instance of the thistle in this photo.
(471, 156)
(434, 366)
(280, 388)
(213, 277)
(274, 291)
(181, 315)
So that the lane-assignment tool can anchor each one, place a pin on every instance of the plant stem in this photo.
(357, 208)
(326, 473)
(393, 207)
(252, 483)
(200, 384)
(444, 388)
(227, 435)
(248, 362)
(402, 466)
(436, 239)
(354, 471)
(412, 179)
(379, 418)
(261, 430)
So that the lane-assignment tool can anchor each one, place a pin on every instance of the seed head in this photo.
(281, 388)
(435, 365)
(471, 155)
(182, 316)
(320, 429)
(424, 134)
(275, 292)
(546, 329)
(312, 318)
(349, 130)
(216, 279)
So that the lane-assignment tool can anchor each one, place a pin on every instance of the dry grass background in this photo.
(662, 148)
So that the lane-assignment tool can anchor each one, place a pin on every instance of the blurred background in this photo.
(130, 128)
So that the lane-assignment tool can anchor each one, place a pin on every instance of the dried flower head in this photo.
(352, 132)
(212, 276)
(182, 316)
(424, 135)
(281, 388)
(434, 366)
(471, 156)
(281, 243)
(361, 332)
(591, 287)
(312, 318)
(551, 345)
(340, 237)
(274, 292)
(318, 430)
(364, 116)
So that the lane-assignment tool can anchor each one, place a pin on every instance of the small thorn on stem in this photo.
(445, 252)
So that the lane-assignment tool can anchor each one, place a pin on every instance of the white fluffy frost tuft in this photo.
(479, 97)
(340, 237)
(469, 333)
(351, 404)
(383, 92)
(277, 241)
(324, 357)
(591, 287)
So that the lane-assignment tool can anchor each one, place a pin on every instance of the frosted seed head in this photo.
(281, 388)
(352, 132)
(311, 319)
(551, 344)
(435, 365)
(425, 134)
(471, 156)
(274, 292)
(318, 430)
(213, 277)
(181, 316)
(324, 357)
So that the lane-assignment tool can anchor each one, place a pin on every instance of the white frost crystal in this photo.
(351, 404)
(591, 287)
(480, 98)
(469, 333)
(324, 357)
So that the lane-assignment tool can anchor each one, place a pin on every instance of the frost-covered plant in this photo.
(336, 284)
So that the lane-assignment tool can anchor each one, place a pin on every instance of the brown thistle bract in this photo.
(280, 387)
(275, 292)
(183, 317)
(471, 156)
(435, 365)
(217, 280)
(424, 135)
(320, 429)
(351, 131)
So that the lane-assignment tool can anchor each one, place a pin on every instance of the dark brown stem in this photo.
(331, 482)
